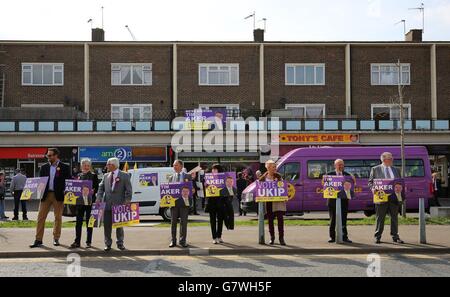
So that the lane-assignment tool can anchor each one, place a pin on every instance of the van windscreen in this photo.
(361, 168)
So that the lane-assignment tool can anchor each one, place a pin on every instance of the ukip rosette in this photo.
(384, 189)
(34, 188)
(78, 192)
(272, 191)
(125, 215)
(170, 192)
(215, 182)
(333, 184)
(97, 212)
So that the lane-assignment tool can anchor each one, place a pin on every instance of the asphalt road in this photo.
(233, 266)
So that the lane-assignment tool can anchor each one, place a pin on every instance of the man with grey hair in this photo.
(114, 189)
(386, 170)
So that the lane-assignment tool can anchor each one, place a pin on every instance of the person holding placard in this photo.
(53, 195)
(391, 206)
(345, 196)
(274, 209)
(84, 209)
(16, 188)
(181, 208)
(215, 206)
(114, 189)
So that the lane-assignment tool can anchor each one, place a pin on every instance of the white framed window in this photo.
(131, 112)
(131, 74)
(390, 111)
(388, 74)
(305, 74)
(42, 74)
(307, 111)
(218, 74)
(233, 110)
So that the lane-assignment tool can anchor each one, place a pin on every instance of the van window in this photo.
(361, 168)
(290, 171)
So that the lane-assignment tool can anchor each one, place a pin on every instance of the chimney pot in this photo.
(258, 35)
(98, 34)
(414, 35)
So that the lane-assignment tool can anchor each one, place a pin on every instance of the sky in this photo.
(214, 20)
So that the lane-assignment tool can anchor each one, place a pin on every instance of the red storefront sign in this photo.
(22, 152)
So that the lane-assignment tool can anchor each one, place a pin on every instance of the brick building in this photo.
(68, 87)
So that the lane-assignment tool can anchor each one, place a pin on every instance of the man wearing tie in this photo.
(181, 208)
(114, 189)
(339, 171)
(386, 171)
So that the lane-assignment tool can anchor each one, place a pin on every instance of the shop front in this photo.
(28, 158)
(142, 156)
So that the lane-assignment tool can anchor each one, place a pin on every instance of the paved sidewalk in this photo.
(244, 240)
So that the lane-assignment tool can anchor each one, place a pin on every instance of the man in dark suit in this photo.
(339, 171)
(181, 209)
(57, 172)
(386, 171)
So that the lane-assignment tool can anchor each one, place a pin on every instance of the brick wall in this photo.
(443, 81)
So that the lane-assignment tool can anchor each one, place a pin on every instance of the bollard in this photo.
(422, 223)
(261, 222)
(339, 236)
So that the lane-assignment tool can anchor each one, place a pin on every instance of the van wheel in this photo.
(369, 213)
(165, 214)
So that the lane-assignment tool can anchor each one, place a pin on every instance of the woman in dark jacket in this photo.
(82, 210)
(215, 206)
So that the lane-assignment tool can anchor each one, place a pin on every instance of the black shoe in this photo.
(15, 219)
(398, 240)
(107, 248)
(282, 242)
(331, 240)
(36, 244)
(88, 245)
(272, 241)
(196, 214)
(378, 241)
(25, 218)
(56, 242)
(121, 247)
(346, 240)
(75, 245)
(172, 244)
(184, 244)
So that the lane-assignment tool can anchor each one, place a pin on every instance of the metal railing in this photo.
(287, 125)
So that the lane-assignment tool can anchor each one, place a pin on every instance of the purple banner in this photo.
(34, 188)
(333, 184)
(148, 179)
(78, 192)
(216, 182)
(383, 189)
(170, 192)
(96, 218)
(202, 119)
(125, 215)
(271, 191)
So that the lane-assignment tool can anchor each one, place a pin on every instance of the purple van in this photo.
(304, 168)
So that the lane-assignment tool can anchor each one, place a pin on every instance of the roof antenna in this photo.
(422, 10)
(90, 22)
(131, 33)
(254, 19)
(404, 25)
(265, 23)
(102, 17)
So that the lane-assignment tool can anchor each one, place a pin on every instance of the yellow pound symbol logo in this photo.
(70, 198)
(26, 194)
(213, 190)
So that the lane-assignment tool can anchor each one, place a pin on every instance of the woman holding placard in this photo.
(215, 206)
(274, 209)
(85, 174)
